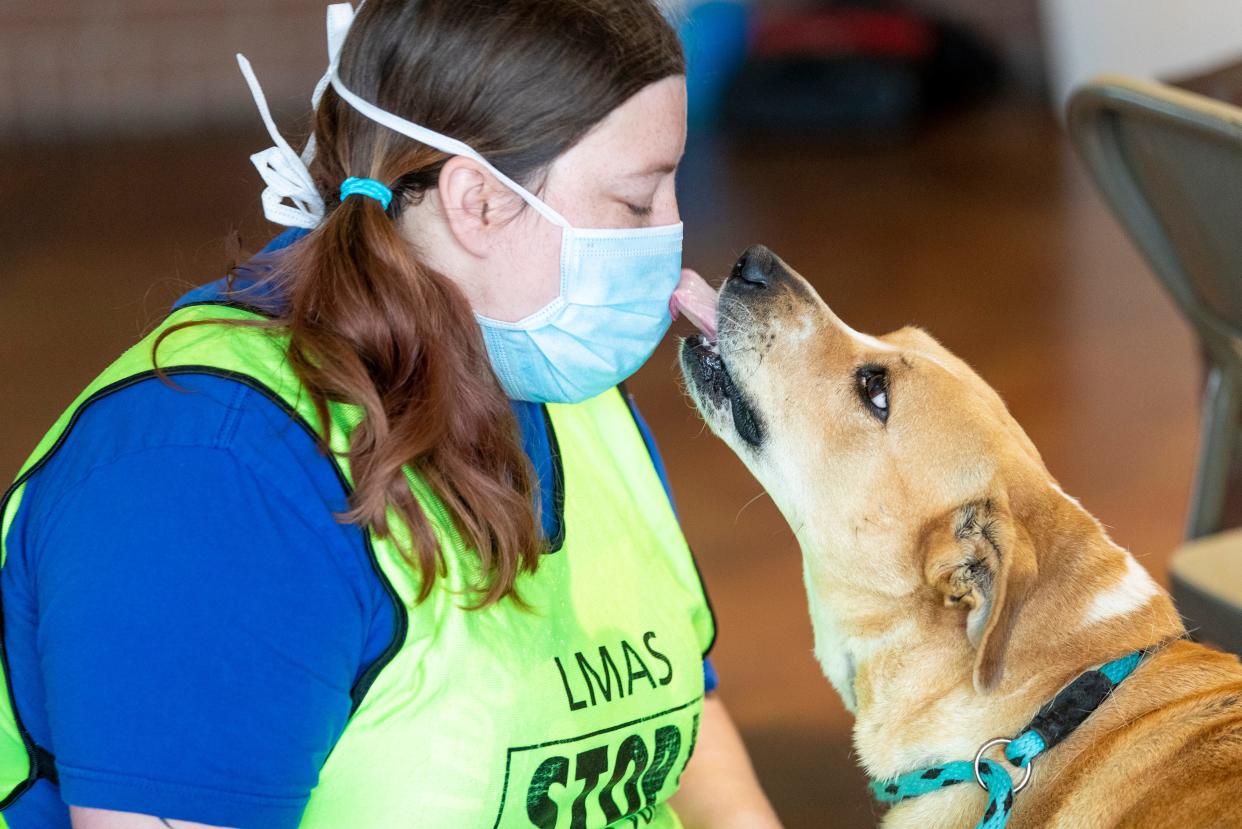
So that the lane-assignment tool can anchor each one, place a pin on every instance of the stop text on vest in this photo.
(639, 774)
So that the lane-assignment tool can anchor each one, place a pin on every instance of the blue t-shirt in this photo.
(184, 619)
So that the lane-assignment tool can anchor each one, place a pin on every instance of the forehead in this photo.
(929, 384)
(645, 136)
(906, 347)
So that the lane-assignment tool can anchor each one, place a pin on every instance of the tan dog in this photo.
(954, 588)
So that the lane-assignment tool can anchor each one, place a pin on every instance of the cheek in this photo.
(834, 481)
(527, 274)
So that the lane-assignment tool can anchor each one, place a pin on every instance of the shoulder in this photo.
(211, 491)
(648, 440)
(148, 461)
(186, 411)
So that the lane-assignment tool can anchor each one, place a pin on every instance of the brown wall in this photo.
(79, 67)
(82, 67)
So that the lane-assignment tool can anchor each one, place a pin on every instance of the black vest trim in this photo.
(558, 483)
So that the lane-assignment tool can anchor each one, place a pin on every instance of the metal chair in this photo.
(1169, 163)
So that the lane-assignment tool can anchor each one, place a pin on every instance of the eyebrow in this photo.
(661, 168)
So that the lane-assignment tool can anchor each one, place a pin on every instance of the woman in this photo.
(365, 535)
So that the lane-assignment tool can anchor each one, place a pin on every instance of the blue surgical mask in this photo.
(612, 309)
(611, 314)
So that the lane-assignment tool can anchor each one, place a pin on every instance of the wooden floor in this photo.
(984, 230)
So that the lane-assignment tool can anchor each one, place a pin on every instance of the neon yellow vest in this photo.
(580, 713)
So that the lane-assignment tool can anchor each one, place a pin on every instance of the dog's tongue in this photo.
(697, 300)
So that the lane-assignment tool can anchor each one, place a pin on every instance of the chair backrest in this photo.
(1170, 165)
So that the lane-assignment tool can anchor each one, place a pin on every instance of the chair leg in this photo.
(1217, 438)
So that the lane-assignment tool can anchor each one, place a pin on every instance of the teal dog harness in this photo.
(1054, 722)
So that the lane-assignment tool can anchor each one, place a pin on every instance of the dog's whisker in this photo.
(762, 493)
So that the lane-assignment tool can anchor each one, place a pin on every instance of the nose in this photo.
(753, 269)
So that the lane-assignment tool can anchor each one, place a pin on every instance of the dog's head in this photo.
(918, 501)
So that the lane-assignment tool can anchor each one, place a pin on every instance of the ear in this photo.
(469, 196)
(980, 562)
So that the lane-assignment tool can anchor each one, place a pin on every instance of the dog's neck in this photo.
(905, 666)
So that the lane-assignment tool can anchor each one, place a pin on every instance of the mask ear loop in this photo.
(287, 174)
(340, 18)
(441, 142)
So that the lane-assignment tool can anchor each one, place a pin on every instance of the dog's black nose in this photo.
(753, 267)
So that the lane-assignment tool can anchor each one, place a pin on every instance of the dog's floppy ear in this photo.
(974, 557)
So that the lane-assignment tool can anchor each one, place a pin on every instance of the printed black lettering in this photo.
(633, 751)
(667, 747)
(667, 678)
(592, 678)
(590, 765)
(574, 704)
(631, 656)
(540, 807)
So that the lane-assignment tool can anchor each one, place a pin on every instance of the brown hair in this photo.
(521, 81)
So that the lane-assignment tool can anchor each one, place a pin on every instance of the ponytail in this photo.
(369, 324)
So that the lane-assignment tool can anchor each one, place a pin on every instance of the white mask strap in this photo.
(340, 16)
(440, 142)
(287, 174)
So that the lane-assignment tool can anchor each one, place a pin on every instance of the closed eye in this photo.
(640, 211)
(872, 382)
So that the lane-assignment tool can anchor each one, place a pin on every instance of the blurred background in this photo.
(908, 158)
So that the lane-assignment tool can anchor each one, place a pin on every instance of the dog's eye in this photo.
(873, 388)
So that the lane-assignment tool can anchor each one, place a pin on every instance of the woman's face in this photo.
(621, 174)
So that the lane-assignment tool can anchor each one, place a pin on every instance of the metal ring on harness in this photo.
(1000, 741)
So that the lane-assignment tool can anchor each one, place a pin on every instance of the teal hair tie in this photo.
(368, 187)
